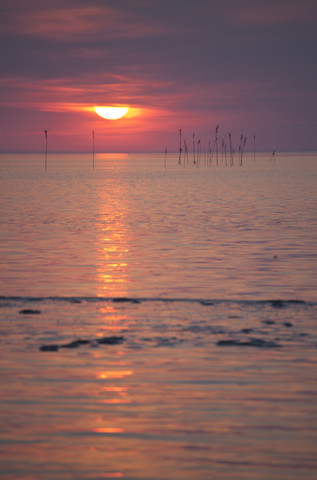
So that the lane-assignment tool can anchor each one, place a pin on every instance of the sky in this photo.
(248, 66)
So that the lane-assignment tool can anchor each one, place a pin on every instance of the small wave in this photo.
(276, 303)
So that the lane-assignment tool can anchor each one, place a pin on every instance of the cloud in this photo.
(210, 102)
(74, 21)
(271, 13)
(67, 94)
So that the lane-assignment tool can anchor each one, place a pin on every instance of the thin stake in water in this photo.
(254, 148)
(45, 159)
(231, 151)
(180, 147)
(198, 152)
(186, 152)
(241, 147)
(216, 143)
(224, 150)
(215, 147)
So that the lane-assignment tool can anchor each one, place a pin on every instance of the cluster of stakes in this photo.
(220, 149)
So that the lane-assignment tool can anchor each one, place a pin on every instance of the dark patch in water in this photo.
(76, 343)
(253, 342)
(206, 302)
(30, 311)
(49, 348)
(212, 329)
(126, 299)
(167, 341)
(225, 343)
(288, 324)
(268, 322)
(278, 304)
(247, 330)
(110, 340)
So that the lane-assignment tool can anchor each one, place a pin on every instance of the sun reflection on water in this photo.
(113, 247)
(114, 374)
(113, 320)
(108, 430)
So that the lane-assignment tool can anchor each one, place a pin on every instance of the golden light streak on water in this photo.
(112, 248)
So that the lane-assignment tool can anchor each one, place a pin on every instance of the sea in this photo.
(158, 316)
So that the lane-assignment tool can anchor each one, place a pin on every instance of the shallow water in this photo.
(131, 227)
(205, 276)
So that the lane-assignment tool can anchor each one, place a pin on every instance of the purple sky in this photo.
(247, 65)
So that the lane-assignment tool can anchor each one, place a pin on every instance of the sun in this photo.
(111, 113)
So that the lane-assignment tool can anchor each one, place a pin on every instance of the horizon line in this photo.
(172, 152)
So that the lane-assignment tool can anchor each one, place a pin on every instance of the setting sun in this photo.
(111, 113)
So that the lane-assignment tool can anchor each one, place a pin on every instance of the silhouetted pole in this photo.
(198, 152)
(180, 147)
(45, 162)
(216, 143)
(231, 150)
(254, 148)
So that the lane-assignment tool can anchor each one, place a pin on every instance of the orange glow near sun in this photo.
(111, 113)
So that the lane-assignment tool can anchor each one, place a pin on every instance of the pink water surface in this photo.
(214, 376)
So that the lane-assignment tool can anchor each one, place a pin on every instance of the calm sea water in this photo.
(193, 291)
